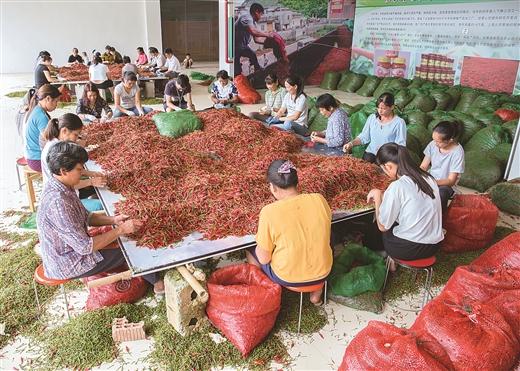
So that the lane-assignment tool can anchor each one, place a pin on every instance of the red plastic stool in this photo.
(310, 288)
(39, 277)
(425, 264)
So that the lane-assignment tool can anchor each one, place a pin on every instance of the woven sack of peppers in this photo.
(177, 123)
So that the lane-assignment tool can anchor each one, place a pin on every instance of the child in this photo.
(188, 61)
(223, 92)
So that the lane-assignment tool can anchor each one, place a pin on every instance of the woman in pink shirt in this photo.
(142, 59)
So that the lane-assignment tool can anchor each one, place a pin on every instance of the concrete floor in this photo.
(320, 351)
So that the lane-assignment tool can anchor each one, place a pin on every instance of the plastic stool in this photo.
(425, 264)
(20, 163)
(31, 175)
(39, 277)
(310, 288)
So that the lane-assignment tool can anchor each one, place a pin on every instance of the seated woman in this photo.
(129, 66)
(293, 238)
(174, 93)
(67, 249)
(141, 59)
(338, 127)
(117, 56)
(409, 212)
(292, 115)
(446, 157)
(107, 57)
(382, 127)
(75, 58)
(44, 101)
(224, 93)
(127, 97)
(68, 128)
(91, 106)
(273, 99)
(42, 73)
(99, 75)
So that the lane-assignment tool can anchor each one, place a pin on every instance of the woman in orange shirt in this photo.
(293, 238)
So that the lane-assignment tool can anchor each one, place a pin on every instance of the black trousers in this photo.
(446, 193)
(248, 53)
(112, 259)
(396, 247)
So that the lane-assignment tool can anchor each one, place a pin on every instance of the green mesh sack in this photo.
(417, 117)
(466, 99)
(481, 111)
(490, 119)
(501, 152)
(421, 133)
(369, 86)
(486, 100)
(398, 84)
(319, 123)
(455, 92)
(510, 127)
(481, 171)
(357, 123)
(344, 80)
(357, 270)
(369, 108)
(442, 99)
(506, 196)
(200, 76)
(383, 87)
(354, 83)
(422, 102)
(402, 98)
(330, 80)
(414, 145)
(177, 123)
(368, 301)
(511, 106)
(487, 138)
(29, 222)
(416, 83)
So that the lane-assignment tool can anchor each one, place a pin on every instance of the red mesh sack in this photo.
(470, 335)
(246, 93)
(506, 251)
(243, 304)
(124, 291)
(65, 94)
(508, 304)
(381, 346)
(507, 114)
(480, 283)
(469, 218)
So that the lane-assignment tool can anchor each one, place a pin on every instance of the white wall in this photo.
(26, 27)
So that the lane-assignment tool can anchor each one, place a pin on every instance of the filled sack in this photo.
(246, 93)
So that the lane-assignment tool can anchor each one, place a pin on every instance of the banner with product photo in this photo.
(475, 43)
(302, 37)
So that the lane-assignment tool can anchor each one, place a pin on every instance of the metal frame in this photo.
(64, 292)
(301, 304)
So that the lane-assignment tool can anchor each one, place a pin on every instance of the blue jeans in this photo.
(92, 204)
(288, 126)
(118, 113)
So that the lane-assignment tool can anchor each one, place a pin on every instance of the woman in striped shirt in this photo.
(273, 99)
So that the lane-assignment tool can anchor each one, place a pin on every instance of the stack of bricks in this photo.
(122, 330)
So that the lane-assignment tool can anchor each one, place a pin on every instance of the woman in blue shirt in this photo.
(44, 101)
(381, 127)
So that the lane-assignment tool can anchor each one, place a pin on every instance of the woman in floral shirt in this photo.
(91, 105)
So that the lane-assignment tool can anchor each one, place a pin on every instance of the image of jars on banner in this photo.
(436, 67)
(391, 63)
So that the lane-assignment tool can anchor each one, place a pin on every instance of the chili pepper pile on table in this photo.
(79, 72)
(214, 180)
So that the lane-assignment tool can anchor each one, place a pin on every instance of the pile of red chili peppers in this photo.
(79, 72)
(213, 181)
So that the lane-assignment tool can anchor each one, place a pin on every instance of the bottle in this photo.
(383, 67)
(398, 67)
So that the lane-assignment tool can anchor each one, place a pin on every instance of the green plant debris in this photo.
(16, 94)
(86, 341)
(404, 281)
(199, 352)
(11, 212)
(27, 221)
(67, 104)
(313, 317)
(147, 101)
(237, 256)
(13, 238)
(18, 308)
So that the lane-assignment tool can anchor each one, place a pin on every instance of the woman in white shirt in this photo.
(292, 115)
(409, 212)
(99, 75)
(127, 97)
(381, 127)
(446, 157)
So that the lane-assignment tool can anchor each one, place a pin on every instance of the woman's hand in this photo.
(129, 226)
(375, 196)
(348, 147)
(120, 218)
(98, 181)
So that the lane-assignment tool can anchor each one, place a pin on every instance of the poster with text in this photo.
(471, 42)
(301, 37)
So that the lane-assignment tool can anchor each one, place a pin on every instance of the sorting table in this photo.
(142, 260)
